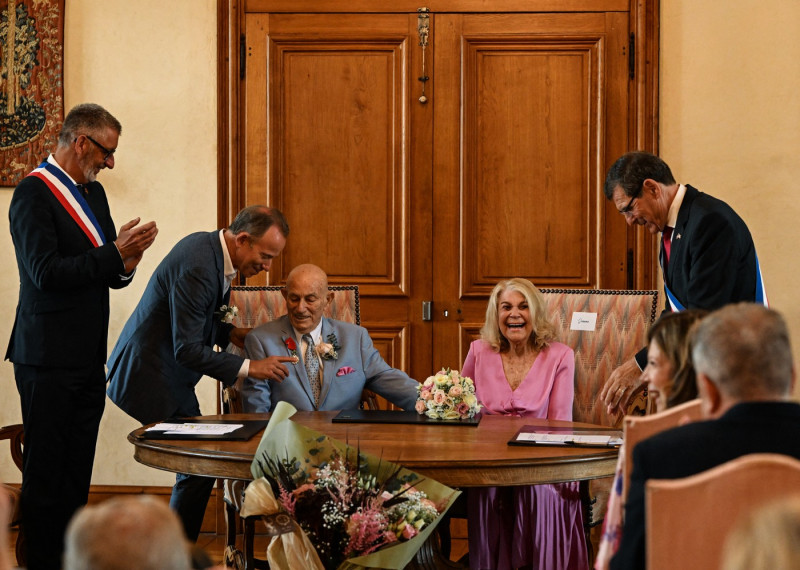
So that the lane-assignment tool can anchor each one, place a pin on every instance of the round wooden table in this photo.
(458, 456)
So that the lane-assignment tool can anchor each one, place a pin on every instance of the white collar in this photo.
(227, 265)
(674, 208)
(316, 334)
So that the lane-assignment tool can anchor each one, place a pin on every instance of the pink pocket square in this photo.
(345, 370)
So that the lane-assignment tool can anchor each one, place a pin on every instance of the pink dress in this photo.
(539, 526)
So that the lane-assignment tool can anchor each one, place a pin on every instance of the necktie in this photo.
(312, 367)
(666, 240)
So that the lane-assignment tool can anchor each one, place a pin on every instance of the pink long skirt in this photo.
(537, 526)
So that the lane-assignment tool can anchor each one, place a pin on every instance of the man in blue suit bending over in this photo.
(167, 344)
(336, 360)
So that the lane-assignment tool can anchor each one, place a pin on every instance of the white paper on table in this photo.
(195, 428)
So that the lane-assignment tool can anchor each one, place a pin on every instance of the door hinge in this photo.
(632, 56)
(242, 56)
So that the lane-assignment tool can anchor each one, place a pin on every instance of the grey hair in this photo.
(126, 533)
(744, 349)
(86, 117)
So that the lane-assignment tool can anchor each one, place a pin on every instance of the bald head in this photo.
(307, 296)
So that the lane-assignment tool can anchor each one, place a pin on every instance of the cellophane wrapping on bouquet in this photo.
(346, 509)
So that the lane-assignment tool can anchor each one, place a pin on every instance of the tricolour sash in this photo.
(761, 293)
(70, 198)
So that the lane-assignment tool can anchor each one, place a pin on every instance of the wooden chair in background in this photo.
(638, 428)
(620, 330)
(15, 436)
(621, 320)
(258, 305)
(688, 519)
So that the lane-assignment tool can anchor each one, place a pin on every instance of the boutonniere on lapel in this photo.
(291, 346)
(329, 350)
(226, 313)
(678, 236)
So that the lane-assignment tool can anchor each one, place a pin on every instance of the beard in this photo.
(89, 170)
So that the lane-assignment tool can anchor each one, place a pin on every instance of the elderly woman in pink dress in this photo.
(520, 370)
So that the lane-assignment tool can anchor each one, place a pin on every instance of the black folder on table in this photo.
(249, 429)
(398, 417)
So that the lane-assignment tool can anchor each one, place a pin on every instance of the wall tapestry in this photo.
(31, 84)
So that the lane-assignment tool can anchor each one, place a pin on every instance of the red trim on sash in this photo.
(67, 206)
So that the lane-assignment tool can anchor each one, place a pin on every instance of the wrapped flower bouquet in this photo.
(348, 509)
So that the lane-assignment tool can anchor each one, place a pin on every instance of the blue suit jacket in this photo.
(62, 314)
(167, 344)
(340, 391)
(757, 427)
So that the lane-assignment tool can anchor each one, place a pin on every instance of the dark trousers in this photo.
(61, 411)
(190, 493)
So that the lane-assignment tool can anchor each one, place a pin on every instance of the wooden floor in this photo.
(214, 545)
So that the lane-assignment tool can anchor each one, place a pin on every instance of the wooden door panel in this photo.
(331, 130)
(525, 148)
(529, 118)
(499, 174)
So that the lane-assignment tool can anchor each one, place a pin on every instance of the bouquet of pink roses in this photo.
(447, 396)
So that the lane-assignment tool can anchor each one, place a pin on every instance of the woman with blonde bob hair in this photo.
(520, 369)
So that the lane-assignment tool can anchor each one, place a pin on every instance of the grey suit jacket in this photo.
(358, 366)
(167, 343)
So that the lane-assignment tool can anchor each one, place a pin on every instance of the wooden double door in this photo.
(425, 155)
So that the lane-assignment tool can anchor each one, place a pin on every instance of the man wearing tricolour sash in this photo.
(69, 255)
(707, 254)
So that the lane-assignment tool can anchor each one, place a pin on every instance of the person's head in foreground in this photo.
(516, 317)
(742, 353)
(767, 538)
(669, 372)
(129, 533)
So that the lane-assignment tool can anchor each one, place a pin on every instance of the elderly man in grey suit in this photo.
(336, 360)
(167, 344)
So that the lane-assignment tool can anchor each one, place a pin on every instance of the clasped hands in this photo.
(270, 368)
(133, 240)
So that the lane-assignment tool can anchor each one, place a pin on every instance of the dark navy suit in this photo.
(712, 259)
(167, 346)
(763, 427)
(58, 346)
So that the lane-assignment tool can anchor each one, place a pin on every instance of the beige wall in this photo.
(730, 125)
(730, 122)
(153, 65)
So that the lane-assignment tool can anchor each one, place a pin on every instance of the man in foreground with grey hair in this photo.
(136, 533)
(745, 376)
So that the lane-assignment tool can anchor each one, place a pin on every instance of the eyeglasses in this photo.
(629, 208)
(108, 152)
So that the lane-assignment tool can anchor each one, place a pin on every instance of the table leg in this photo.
(430, 556)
